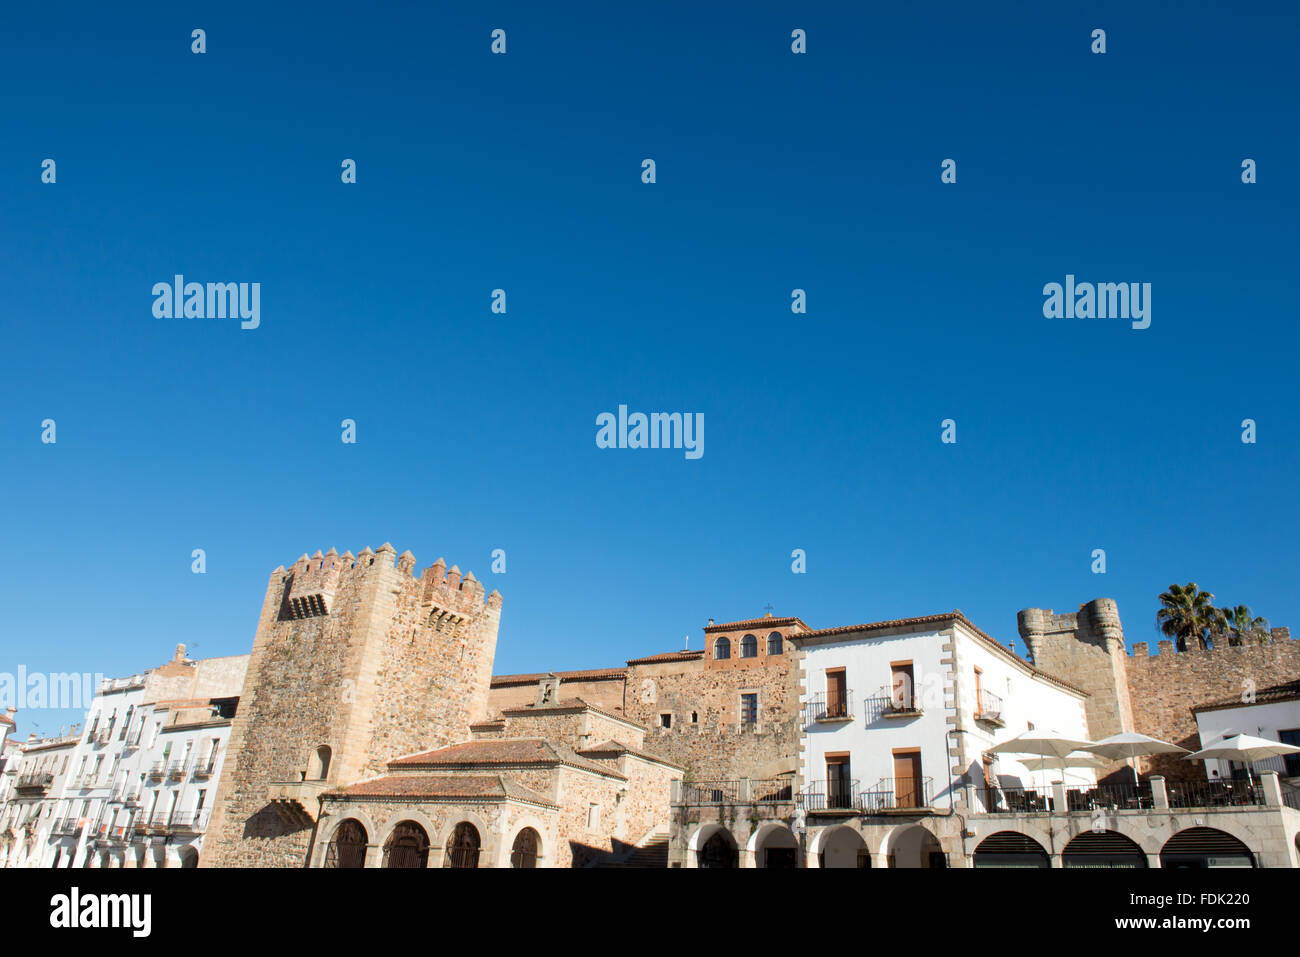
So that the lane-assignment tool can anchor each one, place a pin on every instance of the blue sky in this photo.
(775, 171)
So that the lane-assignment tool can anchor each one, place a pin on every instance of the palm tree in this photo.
(1243, 627)
(1188, 614)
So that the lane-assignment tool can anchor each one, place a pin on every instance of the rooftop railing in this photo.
(710, 792)
(1197, 793)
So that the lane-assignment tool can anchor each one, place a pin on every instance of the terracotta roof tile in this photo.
(756, 622)
(497, 752)
(591, 674)
(943, 618)
(445, 787)
(667, 656)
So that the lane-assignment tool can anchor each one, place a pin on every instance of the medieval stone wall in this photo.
(706, 735)
(356, 655)
(1165, 687)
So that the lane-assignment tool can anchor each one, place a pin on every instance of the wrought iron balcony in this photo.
(192, 823)
(990, 709)
(1200, 793)
(158, 771)
(839, 794)
(34, 781)
(710, 792)
(176, 770)
(897, 794)
(204, 771)
(772, 791)
(828, 707)
(67, 827)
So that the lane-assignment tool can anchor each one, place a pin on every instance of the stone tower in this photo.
(1085, 648)
(356, 661)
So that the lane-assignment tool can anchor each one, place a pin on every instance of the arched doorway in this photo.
(1205, 847)
(914, 847)
(1103, 849)
(407, 846)
(1010, 849)
(348, 849)
(319, 766)
(525, 850)
(775, 847)
(463, 848)
(841, 847)
(718, 851)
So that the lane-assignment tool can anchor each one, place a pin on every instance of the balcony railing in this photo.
(1112, 797)
(204, 771)
(838, 794)
(897, 794)
(828, 706)
(158, 770)
(67, 827)
(772, 790)
(894, 703)
(1015, 800)
(710, 792)
(176, 770)
(1291, 795)
(990, 709)
(34, 780)
(1214, 793)
(192, 823)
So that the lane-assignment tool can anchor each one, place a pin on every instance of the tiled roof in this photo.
(497, 752)
(1283, 692)
(944, 618)
(445, 787)
(568, 705)
(617, 747)
(592, 674)
(757, 622)
(668, 656)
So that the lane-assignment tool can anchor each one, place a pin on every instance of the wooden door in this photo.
(907, 778)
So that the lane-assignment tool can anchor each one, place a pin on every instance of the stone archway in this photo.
(1197, 848)
(1010, 849)
(713, 846)
(1102, 848)
(915, 847)
(774, 846)
(841, 847)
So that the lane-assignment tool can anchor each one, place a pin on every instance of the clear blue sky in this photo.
(477, 431)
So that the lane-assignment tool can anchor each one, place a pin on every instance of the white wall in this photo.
(870, 738)
(1258, 720)
(1026, 698)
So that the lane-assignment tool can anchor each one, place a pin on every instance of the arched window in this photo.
(407, 846)
(319, 766)
(749, 647)
(524, 853)
(774, 644)
(463, 848)
(348, 849)
(722, 648)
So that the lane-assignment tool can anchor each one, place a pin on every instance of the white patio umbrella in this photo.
(1076, 760)
(1244, 748)
(1045, 744)
(1129, 745)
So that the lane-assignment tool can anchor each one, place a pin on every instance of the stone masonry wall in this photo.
(715, 745)
(357, 655)
(1165, 687)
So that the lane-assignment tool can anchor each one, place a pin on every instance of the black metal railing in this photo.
(836, 794)
(157, 770)
(1015, 800)
(828, 706)
(710, 792)
(187, 822)
(67, 827)
(202, 770)
(34, 779)
(1197, 793)
(893, 794)
(771, 790)
(1113, 797)
(1290, 795)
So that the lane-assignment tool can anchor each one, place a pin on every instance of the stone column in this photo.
(1272, 788)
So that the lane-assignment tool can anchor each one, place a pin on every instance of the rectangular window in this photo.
(839, 783)
(837, 693)
(665, 720)
(749, 708)
(903, 686)
(1292, 761)
(593, 817)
